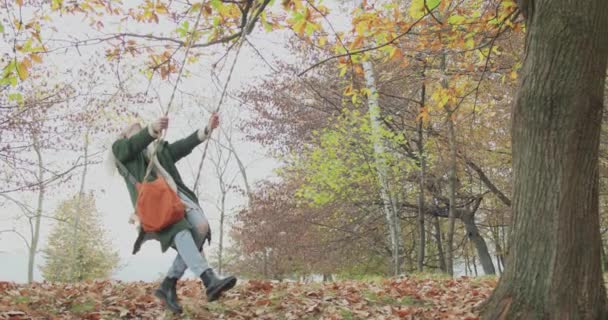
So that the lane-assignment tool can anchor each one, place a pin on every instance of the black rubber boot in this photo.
(168, 294)
(215, 286)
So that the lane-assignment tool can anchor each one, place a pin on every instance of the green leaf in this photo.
(456, 19)
(470, 43)
(216, 4)
(310, 29)
(297, 16)
(432, 4)
(15, 97)
(418, 8)
(1, 28)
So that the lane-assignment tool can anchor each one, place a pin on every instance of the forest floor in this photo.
(402, 298)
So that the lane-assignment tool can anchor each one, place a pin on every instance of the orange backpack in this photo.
(158, 206)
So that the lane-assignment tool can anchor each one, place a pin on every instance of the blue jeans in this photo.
(188, 242)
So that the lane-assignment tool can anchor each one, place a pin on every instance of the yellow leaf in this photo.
(348, 90)
(299, 27)
(160, 8)
(19, 2)
(513, 75)
(417, 9)
(423, 115)
(361, 27)
(322, 41)
(22, 71)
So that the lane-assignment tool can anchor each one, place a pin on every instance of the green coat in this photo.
(130, 152)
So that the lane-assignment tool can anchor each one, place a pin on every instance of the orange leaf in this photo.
(358, 69)
(26, 63)
(396, 54)
(357, 42)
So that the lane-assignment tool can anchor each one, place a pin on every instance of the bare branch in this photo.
(19, 234)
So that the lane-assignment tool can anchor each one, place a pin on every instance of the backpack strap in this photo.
(125, 172)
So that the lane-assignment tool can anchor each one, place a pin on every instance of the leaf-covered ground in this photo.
(405, 298)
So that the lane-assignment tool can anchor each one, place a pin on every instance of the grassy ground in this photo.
(416, 297)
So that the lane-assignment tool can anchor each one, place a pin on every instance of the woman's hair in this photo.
(110, 162)
(125, 132)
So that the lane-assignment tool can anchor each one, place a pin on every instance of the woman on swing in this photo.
(133, 150)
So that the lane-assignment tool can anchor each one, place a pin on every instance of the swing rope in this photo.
(166, 112)
(239, 45)
(217, 109)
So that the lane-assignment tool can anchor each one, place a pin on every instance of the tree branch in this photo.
(365, 49)
(488, 183)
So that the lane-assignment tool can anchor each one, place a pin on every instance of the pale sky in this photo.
(111, 194)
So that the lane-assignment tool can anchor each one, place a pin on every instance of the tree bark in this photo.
(604, 259)
(553, 269)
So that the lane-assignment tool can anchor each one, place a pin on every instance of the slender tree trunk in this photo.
(388, 202)
(38, 217)
(221, 242)
(475, 266)
(75, 263)
(498, 246)
(421, 204)
(452, 178)
(467, 267)
(265, 261)
(242, 169)
(451, 197)
(439, 243)
(480, 244)
(554, 269)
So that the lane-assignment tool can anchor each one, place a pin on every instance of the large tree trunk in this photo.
(553, 269)
(480, 244)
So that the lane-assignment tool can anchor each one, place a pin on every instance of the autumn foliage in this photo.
(404, 298)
